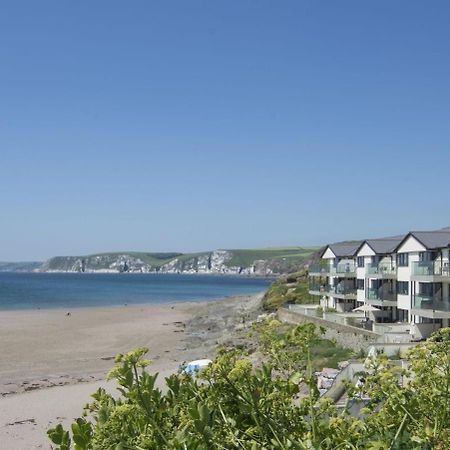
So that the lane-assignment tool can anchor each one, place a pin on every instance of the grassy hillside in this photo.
(246, 257)
(292, 288)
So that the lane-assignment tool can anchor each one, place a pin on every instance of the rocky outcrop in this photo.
(263, 262)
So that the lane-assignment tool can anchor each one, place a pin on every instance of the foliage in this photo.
(288, 255)
(235, 405)
(292, 288)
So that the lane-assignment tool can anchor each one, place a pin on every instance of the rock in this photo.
(343, 364)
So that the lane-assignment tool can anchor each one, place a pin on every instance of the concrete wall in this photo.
(345, 335)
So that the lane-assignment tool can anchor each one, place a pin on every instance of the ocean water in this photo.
(72, 290)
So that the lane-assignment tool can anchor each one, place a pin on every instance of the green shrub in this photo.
(234, 405)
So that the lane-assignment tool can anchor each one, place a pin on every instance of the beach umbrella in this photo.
(367, 308)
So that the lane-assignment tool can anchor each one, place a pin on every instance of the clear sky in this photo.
(194, 125)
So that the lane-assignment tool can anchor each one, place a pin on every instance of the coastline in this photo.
(51, 362)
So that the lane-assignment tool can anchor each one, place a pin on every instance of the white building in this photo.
(335, 278)
(407, 278)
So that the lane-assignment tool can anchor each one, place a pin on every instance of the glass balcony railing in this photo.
(381, 269)
(319, 268)
(341, 269)
(436, 302)
(342, 290)
(381, 294)
(319, 288)
(431, 268)
(346, 268)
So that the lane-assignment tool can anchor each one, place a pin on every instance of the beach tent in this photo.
(196, 366)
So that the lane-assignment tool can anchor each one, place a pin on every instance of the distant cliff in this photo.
(261, 262)
(19, 266)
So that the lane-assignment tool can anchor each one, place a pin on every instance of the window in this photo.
(360, 284)
(360, 261)
(402, 287)
(375, 260)
(402, 259)
(427, 256)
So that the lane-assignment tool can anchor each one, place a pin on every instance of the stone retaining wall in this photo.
(345, 335)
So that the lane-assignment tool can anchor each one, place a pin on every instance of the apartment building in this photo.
(406, 278)
(335, 278)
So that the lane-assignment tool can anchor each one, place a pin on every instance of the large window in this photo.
(427, 256)
(360, 261)
(360, 283)
(402, 259)
(402, 287)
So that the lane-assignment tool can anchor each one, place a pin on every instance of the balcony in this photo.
(381, 297)
(430, 270)
(381, 270)
(318, 270)
(344, 270)
(318, 289)
(345, 292)
(334, 291)
(432, 306)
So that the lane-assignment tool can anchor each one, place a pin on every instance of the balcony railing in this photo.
(337, 290)
(319, 268)
(318, 288)
(436, 302)
(381, 269)
(431, 268)
(380, 294)
(344, 268)
(342, 290)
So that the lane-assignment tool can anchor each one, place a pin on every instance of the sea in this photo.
(74, 290)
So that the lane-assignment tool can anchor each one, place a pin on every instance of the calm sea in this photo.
(71, 290)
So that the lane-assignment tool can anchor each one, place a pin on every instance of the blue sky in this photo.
(197, 125)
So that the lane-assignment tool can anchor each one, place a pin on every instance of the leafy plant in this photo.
(235, 404)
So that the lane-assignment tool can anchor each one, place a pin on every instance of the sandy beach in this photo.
(51, 362)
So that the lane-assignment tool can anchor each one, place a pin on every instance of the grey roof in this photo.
(383, 245)
(432, 239)
(344, 248)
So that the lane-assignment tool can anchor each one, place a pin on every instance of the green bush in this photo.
(235, 405)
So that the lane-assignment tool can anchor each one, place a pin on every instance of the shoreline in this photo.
(113, 272)
(51, 362)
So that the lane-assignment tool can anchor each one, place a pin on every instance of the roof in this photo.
(383, 245)
(429, 239)
(342, 249)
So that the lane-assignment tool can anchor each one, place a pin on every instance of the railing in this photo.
(342, 290)
(422, 301)
(381, 269)
(318, 288)
(380, 294)
(319, 268)
(430, 268)
(344, 268)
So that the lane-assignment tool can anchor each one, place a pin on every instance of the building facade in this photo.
(403, 279)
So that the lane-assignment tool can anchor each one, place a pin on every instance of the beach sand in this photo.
(50, 363)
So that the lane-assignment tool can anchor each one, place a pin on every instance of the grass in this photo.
(246, 257)
(292, 288)
(327, 354)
